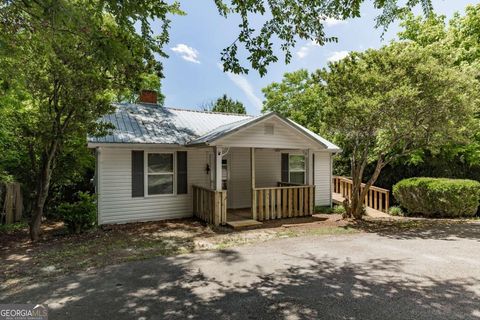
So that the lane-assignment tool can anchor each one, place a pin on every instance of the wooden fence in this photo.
(210, 205)
(376, 198)
(11, 202)
(285, 201)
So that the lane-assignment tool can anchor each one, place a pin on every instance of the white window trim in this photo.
(304, 167)
(146, 174)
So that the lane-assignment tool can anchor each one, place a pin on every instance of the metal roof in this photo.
(149, 123)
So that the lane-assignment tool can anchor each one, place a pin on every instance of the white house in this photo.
(164, 163)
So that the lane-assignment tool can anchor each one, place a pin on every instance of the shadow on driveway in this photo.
(408, 229)
(307, 287)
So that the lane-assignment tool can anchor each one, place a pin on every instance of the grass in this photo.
(335, 209)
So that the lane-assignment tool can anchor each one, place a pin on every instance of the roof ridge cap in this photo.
(211, 112)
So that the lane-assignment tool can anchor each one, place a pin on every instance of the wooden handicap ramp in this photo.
(243, 223)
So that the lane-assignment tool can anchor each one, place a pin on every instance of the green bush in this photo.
(80, 215)
(396, 211)
(324, 209)
(339, 209)
(438, 197)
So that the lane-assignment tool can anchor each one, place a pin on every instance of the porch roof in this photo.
(233, 127)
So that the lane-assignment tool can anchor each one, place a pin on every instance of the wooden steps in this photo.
(243, 223)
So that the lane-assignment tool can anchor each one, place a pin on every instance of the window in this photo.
(296, 166)
(160, 173)
(224, 174)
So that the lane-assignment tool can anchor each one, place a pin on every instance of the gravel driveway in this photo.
(433, 275)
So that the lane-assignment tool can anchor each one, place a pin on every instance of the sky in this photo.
(194, 76)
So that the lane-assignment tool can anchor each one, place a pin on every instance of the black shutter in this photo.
(284, 167)
(137, 174)
(182, 184)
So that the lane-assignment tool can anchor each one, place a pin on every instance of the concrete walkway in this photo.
(430, 274)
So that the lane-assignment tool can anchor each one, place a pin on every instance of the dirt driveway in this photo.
(432, 274)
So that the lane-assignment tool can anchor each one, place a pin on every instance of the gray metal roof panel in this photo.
(145, 123)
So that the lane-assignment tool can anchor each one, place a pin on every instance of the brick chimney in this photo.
(148, 96)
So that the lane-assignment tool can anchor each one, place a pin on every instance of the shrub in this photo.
(340, 209)
(396, 211)
(438, 197)
(80, 215)
(323, 209)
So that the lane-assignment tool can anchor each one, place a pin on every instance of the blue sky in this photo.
(192, 73)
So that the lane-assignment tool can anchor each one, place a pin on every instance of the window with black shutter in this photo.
(137, 174)
(284, 167)
(182, 184)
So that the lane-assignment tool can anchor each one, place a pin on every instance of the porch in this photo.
(239, 198)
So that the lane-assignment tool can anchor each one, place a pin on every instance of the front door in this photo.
(226, 179)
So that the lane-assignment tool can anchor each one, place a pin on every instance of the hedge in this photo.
(438, 197)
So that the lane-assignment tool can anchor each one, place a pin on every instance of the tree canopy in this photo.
(63, 62)
(414, 98)
(291, 20)
(300, 96)
(228, 105)
(389, 103)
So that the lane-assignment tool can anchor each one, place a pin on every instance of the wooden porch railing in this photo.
(210, 205)
(285, 201)
(376, 198)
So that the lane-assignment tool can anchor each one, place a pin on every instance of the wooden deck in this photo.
(376, 201)
(338, 199)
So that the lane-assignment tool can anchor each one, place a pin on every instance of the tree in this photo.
(299, 97)
(63, 61)
(460, 35)
(290, 20)
(226, 104)
(389, 103)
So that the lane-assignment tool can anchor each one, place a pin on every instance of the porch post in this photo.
(218, 168)
(310, 165)
(254, 193)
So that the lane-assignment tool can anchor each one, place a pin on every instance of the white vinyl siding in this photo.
(323, 179)
(115, 202)
(239, 188)
(284, 137)
(116, 205)
(267, 167)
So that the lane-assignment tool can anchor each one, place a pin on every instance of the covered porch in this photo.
(247, 186)
(263, 168)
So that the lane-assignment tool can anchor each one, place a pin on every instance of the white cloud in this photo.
(337, 55)
(244, 85)
(303, 51)
(187, 53)
(330, 22)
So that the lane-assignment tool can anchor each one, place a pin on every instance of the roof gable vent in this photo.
(269, 129)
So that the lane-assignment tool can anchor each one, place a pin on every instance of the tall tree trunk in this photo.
(359, 194)
(356, 203)
(42, 189)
